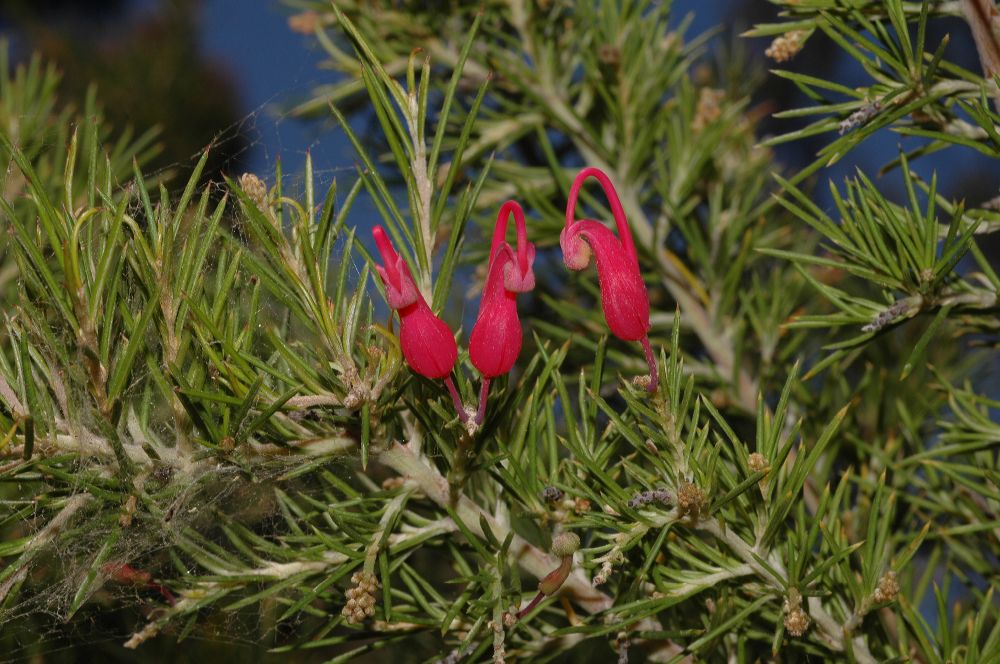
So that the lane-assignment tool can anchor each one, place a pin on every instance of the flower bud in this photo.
(496, 337)
(623, 292)
(427, 342)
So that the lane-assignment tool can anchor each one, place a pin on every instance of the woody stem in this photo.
(456, 399)
(484, 393)
(654, 374)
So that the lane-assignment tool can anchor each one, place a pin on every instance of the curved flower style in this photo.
(428, 345)
(623, 293)
(496, 336)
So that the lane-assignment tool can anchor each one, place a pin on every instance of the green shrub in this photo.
(207, 420)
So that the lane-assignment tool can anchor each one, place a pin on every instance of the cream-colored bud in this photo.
(797, 622)
(786, 46)
(254, 188)
(888, 588)
(304, 23)
(690, 500)
(757, 462)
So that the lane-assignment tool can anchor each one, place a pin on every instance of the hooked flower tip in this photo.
(576, 252)
(515, 279)
(400, 289)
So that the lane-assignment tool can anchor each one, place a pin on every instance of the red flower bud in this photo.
(427, 342)
(496, 337)
(623, 292)
(428, 345)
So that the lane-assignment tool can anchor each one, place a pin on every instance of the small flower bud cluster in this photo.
(604, 574)
(757, 462)
(646, 497)
(360, 598)
(357, 391)
(254, 188)
(642, 382)
(796, 620)
(471, 425)
(690, 500)
(859, 117)
(614, 557)
(304, 23)
(709, 109)
(551, 494)
(786, 46)
(888, 588)
(885, 317)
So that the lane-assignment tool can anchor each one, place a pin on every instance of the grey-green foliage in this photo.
(202, 403)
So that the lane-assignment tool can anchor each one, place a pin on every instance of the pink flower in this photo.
(496, 337)
(623, 293)
(428, 345)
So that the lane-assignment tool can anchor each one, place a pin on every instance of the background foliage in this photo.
(206, 425)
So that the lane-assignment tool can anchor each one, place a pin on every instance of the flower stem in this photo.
(484, 393)
(456, 399)
(532, 604)
(654, 374)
